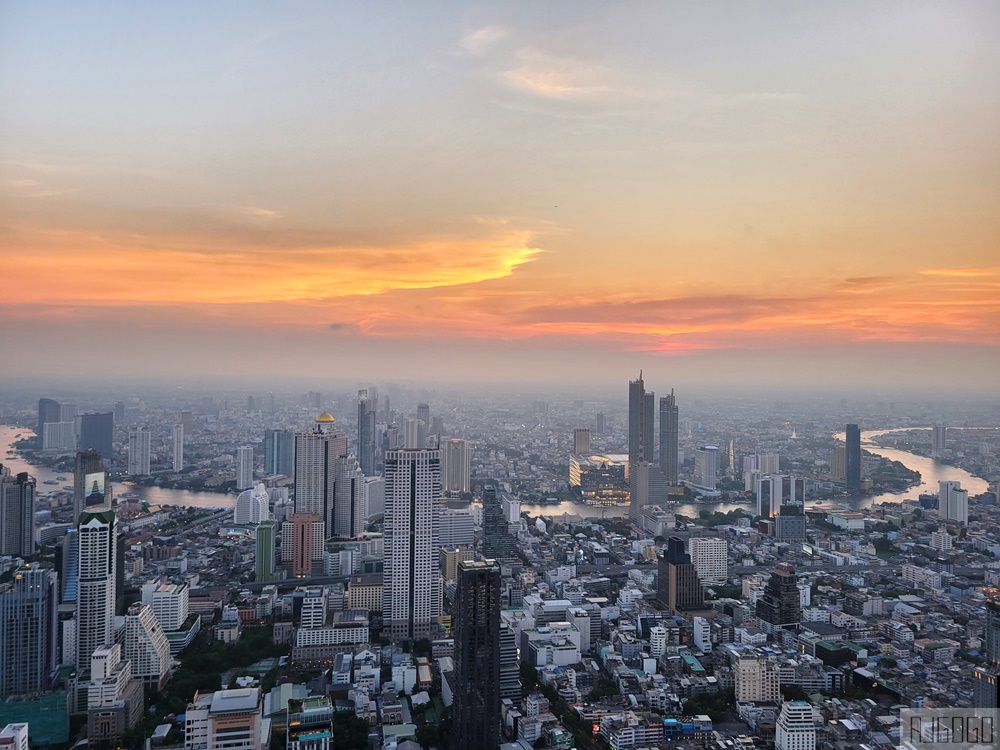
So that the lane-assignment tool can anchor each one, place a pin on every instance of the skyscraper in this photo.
(953, 502)
(279, 452)
(95, 603)
(498, 544)
(17, 514)
(119, 413)
(476, 623)
(97, 431)
(303, 525)
(412, 497)
(29, 635)
(146, 646)
(669, 434)
(187, 421)
(795, 729)
(599, 425)
(88, 468)
(316, 453)
(48, 411)
(178, 447)
(264, 562)
(939, 440)
(678, 588)
(349, 513)
(424, 415)
(640, 441)
(706, 467)
(581, 440)
(456, 466)
(852, 458)
(366, 433)
(139, 445)
(710, 557)
(987, 677)
(251, 506)
(244, 467)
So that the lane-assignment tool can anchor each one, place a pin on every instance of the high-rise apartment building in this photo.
(88, 471)
(95, 604)
(756, 679)
(779, 607)
(114, 696)
(264, 562)
(678, 588)
(178, 441)
(706, 467)
(412, 496)
(139, 447)
(97, 431)
(581, 440)
(953, 502)
(303, 527)
(476, 630)
(669, 438)
(59, 436)
(17, 514)
(510, 676)
(710, 557)
(29, 635)
(244, 467)
(838, 463)
(641, 418)
(939, 440)
(852, 457)
(169, 602)
(279, 452)
(145, 645)
(366, 432)
(316, 453)
(456, 466)
(795, 729)
(498, 544)
(48, 411)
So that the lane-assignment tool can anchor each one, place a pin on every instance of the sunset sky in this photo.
(715, 192)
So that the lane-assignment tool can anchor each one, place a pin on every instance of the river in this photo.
(151, 495)
(931, 472)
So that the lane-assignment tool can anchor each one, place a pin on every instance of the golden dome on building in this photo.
(325, 417)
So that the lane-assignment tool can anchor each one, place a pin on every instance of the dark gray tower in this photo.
(48, 411)
(498, 544)
(366, 433)
(476, 624)
(669, 426)
(97, 432)
(279, 452)
(853, 457)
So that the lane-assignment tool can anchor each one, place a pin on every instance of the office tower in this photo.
(953, 502)
(316, 453)
(414, 434)
(251, 506)
(139, 444)
(17, 514)
(510, 673)
(437, 428)
(178, 447)
(48, 411)
(412, 496)
(599, 423)
(790, 524)
(669, 437)
(448, 560)
(244, 467)
(678, 588)
(310, 724)
(581, 440)
(756, 679)
(264, 562)
(29, 635)
(852, 458)
(795, 729)
(706, 467)
(456, 466)
(987, 676)
(769, 463)
(67, 562)
(424, 414)
(97, 431)
(187, 421)
(456, 527)
(119, 413)
(710, 557)
(58, 436)
(349, 513)
(302, 525)
(476, 630)
(374, 496)
(91, 484)
(640, 421)
(145, 645)
(279, 452)
(779, 607)
(97, 590)
(498, 544)
(251, 404)
(366, 433)
(939, 440)
(768, 496)
(114, 696)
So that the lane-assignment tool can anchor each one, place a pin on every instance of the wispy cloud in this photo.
(546, 75)
(482, 40)
(967, 272)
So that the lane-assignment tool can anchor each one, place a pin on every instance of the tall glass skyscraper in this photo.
(279, 452)
(669, 432)
(853, 457)
(28, 631)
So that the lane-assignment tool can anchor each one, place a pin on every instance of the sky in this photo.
(781, 193)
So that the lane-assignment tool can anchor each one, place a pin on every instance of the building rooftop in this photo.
(242, 699)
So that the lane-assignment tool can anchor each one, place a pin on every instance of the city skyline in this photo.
(717, 195)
